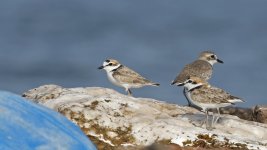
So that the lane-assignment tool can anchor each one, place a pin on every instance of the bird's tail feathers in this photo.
(155, 84)
(236, 100)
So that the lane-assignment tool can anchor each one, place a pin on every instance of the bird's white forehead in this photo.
(105, 63)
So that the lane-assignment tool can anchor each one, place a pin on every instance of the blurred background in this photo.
(64, 41)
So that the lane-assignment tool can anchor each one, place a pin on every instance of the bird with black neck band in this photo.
(123, 76)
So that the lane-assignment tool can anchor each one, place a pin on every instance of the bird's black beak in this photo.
(219, 61)
(180, 84)
(101, 67)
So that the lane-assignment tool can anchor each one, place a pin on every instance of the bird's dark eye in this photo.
(194, 82)
(189, 81)
(212, 56)
(107, 61)
(110, 64)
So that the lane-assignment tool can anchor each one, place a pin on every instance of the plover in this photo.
(202, 68)
(123, 76)
(205, 96)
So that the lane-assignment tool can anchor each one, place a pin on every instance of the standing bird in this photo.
(205, 96)
(202, 68)
(123, 76)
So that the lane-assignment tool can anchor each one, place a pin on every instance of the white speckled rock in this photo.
(118, 119)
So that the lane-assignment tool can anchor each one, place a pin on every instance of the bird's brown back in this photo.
(126, 75)
(206, 94)
(198, 68)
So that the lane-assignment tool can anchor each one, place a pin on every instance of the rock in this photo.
(28, 126)
(44, 93)
(113, 120)
(260, 113)
(243, 113)
(257, 113)
(163, 147)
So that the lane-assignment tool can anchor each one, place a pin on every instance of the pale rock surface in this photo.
(118, 119)
(260, 113)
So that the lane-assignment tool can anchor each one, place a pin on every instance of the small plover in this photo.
(205, 96)
(123, 76)
(202, 68)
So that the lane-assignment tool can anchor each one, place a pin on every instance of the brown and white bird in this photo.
(205, 96)
(123, 76)
(202, 68)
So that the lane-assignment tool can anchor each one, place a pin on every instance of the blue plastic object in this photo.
(25, 125)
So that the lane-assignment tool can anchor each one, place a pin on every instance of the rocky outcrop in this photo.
(115, 121)
(260, 113)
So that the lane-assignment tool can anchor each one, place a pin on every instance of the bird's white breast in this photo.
(112, 79)
(188, 96)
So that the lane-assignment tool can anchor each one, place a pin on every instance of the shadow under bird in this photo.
(205, 96)
(202, 68)
(123, 76)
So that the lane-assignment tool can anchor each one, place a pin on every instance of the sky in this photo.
(63, 42)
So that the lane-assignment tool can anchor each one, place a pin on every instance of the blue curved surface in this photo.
(28, 126)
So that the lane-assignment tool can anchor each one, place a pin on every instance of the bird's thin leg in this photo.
(129, 92)
(215, 117)
(207, 118)
(208, 127)
(219, 115)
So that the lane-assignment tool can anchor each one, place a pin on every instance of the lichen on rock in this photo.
(113, 120)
